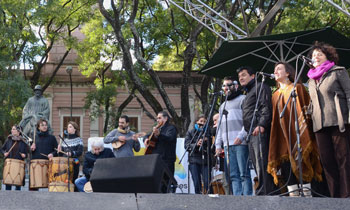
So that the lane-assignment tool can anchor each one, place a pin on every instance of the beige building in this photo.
(58, 94)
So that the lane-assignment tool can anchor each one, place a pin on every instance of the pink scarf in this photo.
(317, 72)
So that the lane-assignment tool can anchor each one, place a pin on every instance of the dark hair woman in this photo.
(329, 87)
(73, 147)
(14, 148)
(282, 148)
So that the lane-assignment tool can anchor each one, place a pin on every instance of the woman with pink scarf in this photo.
(329, 87)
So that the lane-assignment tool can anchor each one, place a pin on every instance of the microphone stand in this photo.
(259, 137)
(71, 153)
(224, 112)
(203, 132)
(188, 146)
(28, 143)
(293, 95)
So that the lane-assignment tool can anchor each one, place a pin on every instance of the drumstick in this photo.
(44, 155)
(12, 147)
(61, 151)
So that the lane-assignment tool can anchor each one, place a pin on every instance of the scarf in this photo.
(123, 131)
(317, 72)
(233, 94)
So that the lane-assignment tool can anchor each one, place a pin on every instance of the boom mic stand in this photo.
(259, 139)
(293, 95)
(69, 149)
(188, 146)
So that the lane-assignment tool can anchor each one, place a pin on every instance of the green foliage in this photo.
(97, 99)
(14, 92)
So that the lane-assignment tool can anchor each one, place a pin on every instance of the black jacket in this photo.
(166, 143)
(45, 143)
(264, 112)
(196, 156)
(74, 144)
(90, 159)
(20, 147)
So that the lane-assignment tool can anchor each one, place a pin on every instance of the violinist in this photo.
(165, 138)
(15, 148)
(197, 148)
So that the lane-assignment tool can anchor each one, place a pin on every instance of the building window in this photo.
(134, 123)
(75, 119)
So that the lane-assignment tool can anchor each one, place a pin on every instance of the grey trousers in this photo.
(260, 165)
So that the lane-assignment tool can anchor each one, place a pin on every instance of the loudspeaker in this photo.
(139, 174)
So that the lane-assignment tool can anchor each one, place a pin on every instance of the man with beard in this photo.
(123, 139)
(232, 135)
(261, 126)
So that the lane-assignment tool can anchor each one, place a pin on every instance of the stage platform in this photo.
(21, 200)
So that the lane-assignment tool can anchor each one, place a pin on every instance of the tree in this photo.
(151, 29)
(14, 92)
(30, 28)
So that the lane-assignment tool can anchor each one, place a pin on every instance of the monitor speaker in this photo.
(139, 174)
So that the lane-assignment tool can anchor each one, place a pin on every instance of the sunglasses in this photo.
(227, 85)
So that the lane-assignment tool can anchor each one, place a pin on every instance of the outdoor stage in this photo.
(105, 201)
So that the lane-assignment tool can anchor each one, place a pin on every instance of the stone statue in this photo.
(36, 108)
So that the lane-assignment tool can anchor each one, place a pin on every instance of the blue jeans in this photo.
(239, 170)
(9, 187)
(80, 182)
(198, 173)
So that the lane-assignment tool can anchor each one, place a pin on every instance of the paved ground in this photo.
(104, 201)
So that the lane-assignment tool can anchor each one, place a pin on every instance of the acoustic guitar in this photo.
(152, 138)
(118, 144)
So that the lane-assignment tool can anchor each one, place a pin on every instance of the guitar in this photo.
(118, 144)
(152, 138)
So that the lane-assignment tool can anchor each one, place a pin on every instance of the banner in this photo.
(184, 180)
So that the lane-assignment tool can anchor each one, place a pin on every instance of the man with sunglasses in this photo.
(232, 135)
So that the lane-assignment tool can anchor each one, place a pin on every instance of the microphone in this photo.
(218, 93)
(271, 76)
(310, 62)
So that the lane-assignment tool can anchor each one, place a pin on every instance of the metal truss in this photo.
(211, 19)
(221, 26)
(344, 7)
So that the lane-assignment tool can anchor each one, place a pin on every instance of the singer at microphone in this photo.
(271, 76)
(308, 61)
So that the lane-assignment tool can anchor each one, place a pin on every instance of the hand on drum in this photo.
(23, 155)
(6, 154)
(33, 147)
(50, 156)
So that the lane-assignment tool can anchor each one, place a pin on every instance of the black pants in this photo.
(334, 148)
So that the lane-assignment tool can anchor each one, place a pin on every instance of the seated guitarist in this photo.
(165, 138)
(123, 139)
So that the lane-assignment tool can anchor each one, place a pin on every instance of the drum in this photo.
(58, 169)
(218, 185)
(88, 187)
(13, 173)
(38, 173)
(60, 187)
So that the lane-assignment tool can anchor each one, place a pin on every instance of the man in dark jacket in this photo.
(97, 152)
(261, 126)
(165, 137)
